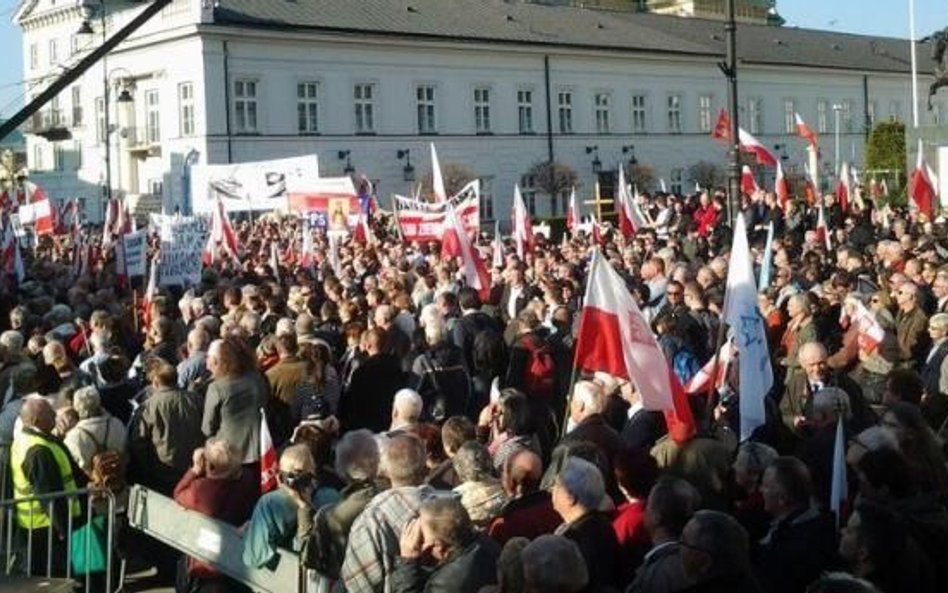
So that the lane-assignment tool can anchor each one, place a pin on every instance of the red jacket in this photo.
(529, 516)
(707, 218)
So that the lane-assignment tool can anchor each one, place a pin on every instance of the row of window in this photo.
(247, 98)
(53, 52)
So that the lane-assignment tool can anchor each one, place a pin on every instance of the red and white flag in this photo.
(615, 338)
(41, 215)
(222, 237)
(805, 131)
(307, 259)
(631, 218)
(753, 145)
(522, 227)
(869, 332)
(151, 291)
(722, 128)
(572, 214)
(111, 216)
(822, 229)
(437, 181)
(923, 189)
(269, 464)
(781, 188)
(748, 183)
(844, 187)
(10, 249)
(497, 248)
(713, 372)
(457, 244)
(598, 239)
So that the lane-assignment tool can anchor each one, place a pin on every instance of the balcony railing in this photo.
(141, 142)
(49, 124)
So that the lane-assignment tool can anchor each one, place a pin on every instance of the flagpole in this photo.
(914, 64)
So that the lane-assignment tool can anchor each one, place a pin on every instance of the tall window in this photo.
(55, 113)
(77, 150)
(528, 190)
(363, 96)
(487, 198)
(674, 114)
(75, 44)
(564, 103)
(482, 110)
(425, 109)
(822, 124)
(525, 110)
(895, 110)
(639, 121)
(846, 115)
(34, 56)
(152, 117)
(59, 157)
(76, 105)
(871, 113)
(186, 109)
(676, 177)
(704, 113)
(53, 52)
(789, 118)
(602, 114)
(245, 106)
(100, 131)
(38, 157)
(936, 113)
(755, 115)
(307, 107)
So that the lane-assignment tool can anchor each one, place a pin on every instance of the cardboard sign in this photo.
(182, 241)
(133, 252)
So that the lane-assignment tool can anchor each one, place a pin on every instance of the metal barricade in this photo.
(213, 542)
(19, 544)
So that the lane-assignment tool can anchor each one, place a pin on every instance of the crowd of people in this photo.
(433, 440)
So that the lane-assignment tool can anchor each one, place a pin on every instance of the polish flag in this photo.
(268, 457)
(10, 250)
(572, 214)
(781, 188)
(306, 250)
(363, 232)
(222, 236)
(712, 374)
(810, 190)
(839, 489)
(748, 183)
(437, 181)
(151, 291)
(631, 218)
(844, 187)
(615, 338)
(111, 216)
(753, 145)
(722, 128)
(497, 248)
(598, 239)
(822, 229)
(43, 219)
(522, 227)
(456, 243)
(805, 131)
(923, 190)
(869, 332)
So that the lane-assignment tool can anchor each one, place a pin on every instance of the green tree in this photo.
(886, 152)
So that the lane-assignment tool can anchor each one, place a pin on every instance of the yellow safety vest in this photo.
(32, 514)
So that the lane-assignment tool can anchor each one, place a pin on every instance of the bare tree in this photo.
(642, 177)
(706, 174)
(455, 177)
(553, 178)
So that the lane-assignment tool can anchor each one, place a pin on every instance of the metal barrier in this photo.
(212, 541)
(17, 543)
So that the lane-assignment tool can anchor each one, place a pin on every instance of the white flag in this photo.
(498, 247)
(839, 489)
(740, 312)
(437, 181)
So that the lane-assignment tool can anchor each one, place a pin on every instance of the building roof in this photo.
(517, 22)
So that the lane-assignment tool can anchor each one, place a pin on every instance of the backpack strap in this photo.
(100, 447)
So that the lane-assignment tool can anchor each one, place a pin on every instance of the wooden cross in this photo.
(598, 203)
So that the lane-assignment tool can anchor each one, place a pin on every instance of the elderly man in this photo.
(588, 423)
(373, 545)
(795, 407)
(553, 564)
(911, 326)
(407, 407)
(715, 554)
(192, 371)
(578, 491)
(463, 561)
(40, 464)
(529, 511)
(95, 432)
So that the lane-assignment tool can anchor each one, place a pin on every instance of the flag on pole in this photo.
(741, 313)
(598, 239)
(437, 181)
(805, 131)
(839, 489)
(268, 457)
(522, 227)
(844, 187)
(572, 214)
(923, 190)
(275, 261)
(753, 145)
(781, 188)
(457, 244)
(722, 128)
(221, 237)
(766, 265)
(713, 372)
(748, 183)
(307, 259)
(615, 338)
(869, 332)
(111, 216)
(498, 248)
(151, 291)
(662, 186)
(822, 229)
(631, 218)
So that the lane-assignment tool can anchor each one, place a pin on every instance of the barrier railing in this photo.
(94, 559)
(213, 542)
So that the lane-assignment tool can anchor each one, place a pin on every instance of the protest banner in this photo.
(182, 241)
(254, 186)
(423, 221)
(133, 251)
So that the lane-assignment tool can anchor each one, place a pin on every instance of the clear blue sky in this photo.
(873, 17)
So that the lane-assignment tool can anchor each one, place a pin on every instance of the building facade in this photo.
(497, 86)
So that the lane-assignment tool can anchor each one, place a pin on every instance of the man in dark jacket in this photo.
(577, 493)
(587, 423)
(472, 322)
(368, 401)
(441, 553)
(801, 542)
(715, 554)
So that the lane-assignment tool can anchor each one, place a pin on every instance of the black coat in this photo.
(466, 572)
(726, 584)
(643, 429)
(466, 329)
(368, 401)
(597, 542)
(796, 551)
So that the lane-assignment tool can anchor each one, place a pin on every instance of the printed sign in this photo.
(133, 252)
(182, 241)
(254, 186)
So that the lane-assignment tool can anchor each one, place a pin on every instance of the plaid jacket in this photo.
(373, 544)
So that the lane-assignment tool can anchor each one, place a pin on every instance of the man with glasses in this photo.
(911, 327)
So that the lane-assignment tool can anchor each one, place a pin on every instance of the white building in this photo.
(498, 85)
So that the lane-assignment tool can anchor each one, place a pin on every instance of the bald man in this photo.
(529, 511)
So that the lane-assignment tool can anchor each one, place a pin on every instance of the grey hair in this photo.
(221, 456)
(408, 404)
(583, 481)
(472, 462)
(405, 460)
(12, 340)
(755, 457)
(831, 400)
(553, 564)
(87, 402)
(357, 455)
